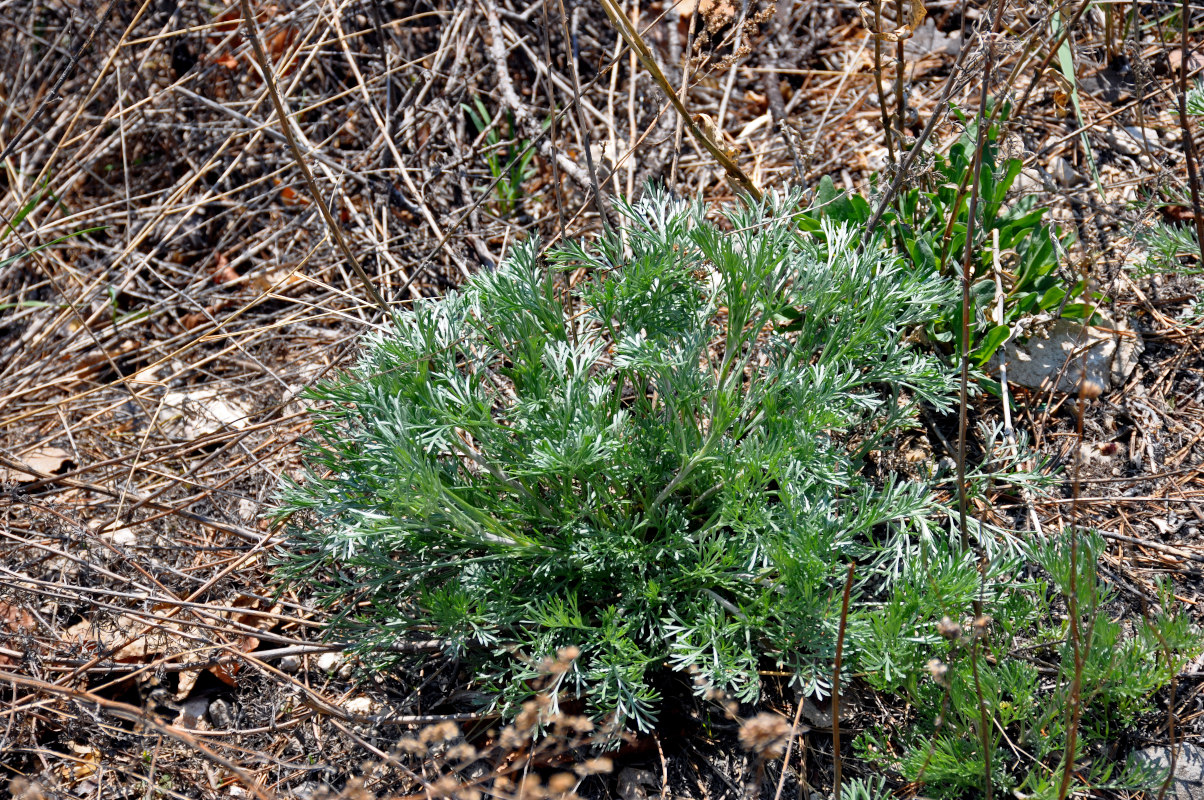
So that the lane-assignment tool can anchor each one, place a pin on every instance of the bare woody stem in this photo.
(248, 17)
(844, 618)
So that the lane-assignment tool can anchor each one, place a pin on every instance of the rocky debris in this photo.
(1095, 358)
(1064, 173)
(1131, 139)
(635, 784)
(1187, 781)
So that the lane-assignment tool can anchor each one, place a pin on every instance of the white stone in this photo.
(247, 509)
(1064, 173)
(1128, 140)
(1065, 347)
(122, 537)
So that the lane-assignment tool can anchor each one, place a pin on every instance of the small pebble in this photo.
(247, 509)
(219, 714)
(329, 662)
(1151, 135)
(1063, 173)
(290, 664)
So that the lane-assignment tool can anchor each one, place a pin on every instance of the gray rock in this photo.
(1063, 173)
(220, 714)
(1188, 780)
(329, 662)
(191, 711)
(1129, 139)
(1059, 349)
(1151, 135)
(1028, 181)
(309, 790)
(635, 783)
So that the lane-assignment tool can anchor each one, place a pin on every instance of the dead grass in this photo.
(150, 372)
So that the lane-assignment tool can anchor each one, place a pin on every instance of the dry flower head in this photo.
(980, 626)
(439, 732)
(562, 783)
(766, 735)
(949, 629)
(594, 766)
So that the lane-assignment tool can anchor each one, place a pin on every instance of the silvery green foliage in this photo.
(662, 467)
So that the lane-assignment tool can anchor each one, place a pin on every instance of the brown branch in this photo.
(269, 79)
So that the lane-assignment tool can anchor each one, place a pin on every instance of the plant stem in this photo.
(844, 618)
(1189, 145)
(269, 79)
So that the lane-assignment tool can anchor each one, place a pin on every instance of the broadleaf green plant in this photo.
(1031, 248)
(663, 467)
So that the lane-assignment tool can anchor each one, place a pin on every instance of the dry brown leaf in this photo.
(14, 619)
(1174, 60)
(715, 134)
(44, 460)
(277, 279)
(915, 18)
(223, 272)
(125, 632)
(194, 320)
(84, 764)
(291, 197)
(243, 642)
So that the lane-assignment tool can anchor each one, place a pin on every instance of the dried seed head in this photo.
(594, 766)
(444, 787)
(949, 629)
(532, 788)
(356, 790)
(980, 626)
(461, 752)
(410, 745)
(572, 725)
(938, 670)
(766, 735)
(511, 740)
(562, 783)
(439, 732)
(24, 789)
(528, 718)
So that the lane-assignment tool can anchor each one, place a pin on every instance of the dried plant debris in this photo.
(168, 290)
